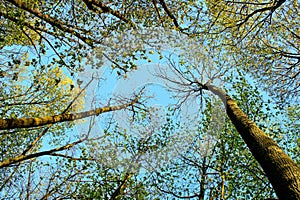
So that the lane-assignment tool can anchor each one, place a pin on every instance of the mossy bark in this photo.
(41, 121)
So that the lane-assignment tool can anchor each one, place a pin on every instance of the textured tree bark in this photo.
(281, 170)
(41, 121)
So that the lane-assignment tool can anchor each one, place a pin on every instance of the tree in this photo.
(55, 38)
(284, 177)
(209, 167)
(257, 141)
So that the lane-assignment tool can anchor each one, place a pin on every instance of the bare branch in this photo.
(21, 158)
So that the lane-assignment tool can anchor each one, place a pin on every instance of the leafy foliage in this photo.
(50, 49)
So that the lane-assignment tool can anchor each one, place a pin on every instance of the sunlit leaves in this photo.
(262, 38)
(46, 44)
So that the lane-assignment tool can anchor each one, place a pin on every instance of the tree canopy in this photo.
(149, 99)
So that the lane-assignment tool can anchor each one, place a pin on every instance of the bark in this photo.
(41, 121)
(281, 170)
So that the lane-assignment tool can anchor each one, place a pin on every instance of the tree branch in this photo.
(106, 9)
(21, 158)
(41, 121)
(270, 8)
(169, 13)
(54, 22)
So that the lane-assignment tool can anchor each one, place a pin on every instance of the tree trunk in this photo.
(281, 170)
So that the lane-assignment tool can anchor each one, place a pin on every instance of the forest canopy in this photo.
(150, 99)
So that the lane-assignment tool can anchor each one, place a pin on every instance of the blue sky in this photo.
(99, 93)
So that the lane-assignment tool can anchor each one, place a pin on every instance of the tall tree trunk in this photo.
(281, 170)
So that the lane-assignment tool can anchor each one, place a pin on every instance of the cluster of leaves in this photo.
(262, 38)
